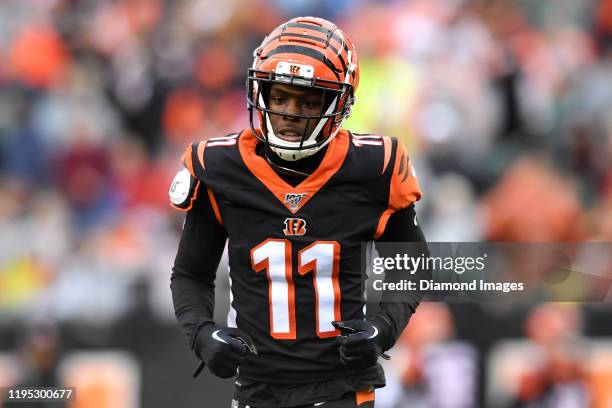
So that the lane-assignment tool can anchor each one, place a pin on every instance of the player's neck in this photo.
(302, 167)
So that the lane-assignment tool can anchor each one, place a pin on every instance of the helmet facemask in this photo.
(337, 100)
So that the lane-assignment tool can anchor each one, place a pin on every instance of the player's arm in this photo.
(193, 275)
(363, 341)
(393, 314)
(401, 226)
(200, 249)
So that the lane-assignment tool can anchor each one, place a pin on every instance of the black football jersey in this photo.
(295, 252)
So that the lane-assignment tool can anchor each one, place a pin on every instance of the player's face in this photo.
(294, 100)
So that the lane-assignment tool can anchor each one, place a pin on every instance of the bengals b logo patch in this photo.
(295, 226)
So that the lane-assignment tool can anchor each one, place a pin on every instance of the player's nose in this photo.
(293, 108)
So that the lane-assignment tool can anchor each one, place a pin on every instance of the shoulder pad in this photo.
(197, 154)
(183, 190)
(375, 144)
(193, 159)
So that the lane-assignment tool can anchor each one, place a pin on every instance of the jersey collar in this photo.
(293, 198)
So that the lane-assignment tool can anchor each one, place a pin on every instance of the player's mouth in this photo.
(290, 135)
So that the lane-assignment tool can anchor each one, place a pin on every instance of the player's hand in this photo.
(222, 349)
(359, 347)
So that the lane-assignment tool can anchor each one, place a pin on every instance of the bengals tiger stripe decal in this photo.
(403, 189)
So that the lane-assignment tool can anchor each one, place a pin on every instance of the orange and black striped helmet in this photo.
(307, 52)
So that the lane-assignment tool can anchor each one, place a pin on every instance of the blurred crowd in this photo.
(506, 106)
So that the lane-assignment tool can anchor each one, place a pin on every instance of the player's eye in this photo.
(278, 100)
(310, 104)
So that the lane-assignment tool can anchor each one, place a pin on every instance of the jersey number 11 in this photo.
(322, 258)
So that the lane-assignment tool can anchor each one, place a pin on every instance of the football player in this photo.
(295, 196)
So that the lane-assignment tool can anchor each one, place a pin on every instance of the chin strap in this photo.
(283, 169)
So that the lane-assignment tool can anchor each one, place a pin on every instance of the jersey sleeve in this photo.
(193, 274)
(404, 187)
(393, 315)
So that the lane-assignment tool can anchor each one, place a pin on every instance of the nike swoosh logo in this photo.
(375, 333)
(215, 336)
(318, 403)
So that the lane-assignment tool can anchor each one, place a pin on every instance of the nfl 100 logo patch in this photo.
(294, 200)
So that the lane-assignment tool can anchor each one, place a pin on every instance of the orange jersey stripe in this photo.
(387, 146)
(382, 222)
(364, 396)
(186, 159)
(201, 147)
(215, 207)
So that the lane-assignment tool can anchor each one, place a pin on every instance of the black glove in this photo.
(360, 343)
(222, 349)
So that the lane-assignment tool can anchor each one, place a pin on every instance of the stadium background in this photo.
(505, 105)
